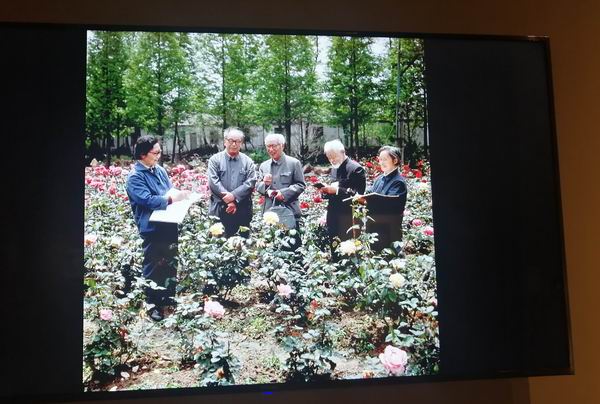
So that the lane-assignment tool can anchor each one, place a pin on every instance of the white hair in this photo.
(233, 132)
(275, 137)
(335, 146)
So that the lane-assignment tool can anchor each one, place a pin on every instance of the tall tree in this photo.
(105, 109)
(404, 91)
(288, 87)
(352, 75)
(228, 64)
(159, 82)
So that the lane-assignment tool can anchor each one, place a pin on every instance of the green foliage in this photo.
(259, 155)
(201, 345)
(309, 357)
(351, 85)
(107, 61)
(403, 91)
(311, 305)
(228, 66)
(159, 82)
(287, 86)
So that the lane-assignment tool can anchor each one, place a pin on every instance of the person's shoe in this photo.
(155, 314)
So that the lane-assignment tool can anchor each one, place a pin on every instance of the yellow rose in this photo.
(217, 229)
(271, 218)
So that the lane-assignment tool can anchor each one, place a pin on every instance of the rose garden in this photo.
(251, 310)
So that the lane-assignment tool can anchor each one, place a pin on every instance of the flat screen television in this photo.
(439, 257)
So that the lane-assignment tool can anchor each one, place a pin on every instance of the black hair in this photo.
(143, 146)
(394, 153)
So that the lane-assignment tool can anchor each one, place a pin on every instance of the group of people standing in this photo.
(232, 179)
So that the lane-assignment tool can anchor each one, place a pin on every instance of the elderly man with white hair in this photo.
(348, 178)
(231, 179)
(282, 177)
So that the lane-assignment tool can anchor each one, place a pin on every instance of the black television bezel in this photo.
(270, 388)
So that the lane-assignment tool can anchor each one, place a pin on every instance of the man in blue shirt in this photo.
(231, 178)
(147, 187)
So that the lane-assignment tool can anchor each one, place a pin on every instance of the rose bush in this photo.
(305, 290)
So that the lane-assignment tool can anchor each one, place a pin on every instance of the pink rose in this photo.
(89, 239)
(428, 231)
(394, 359)
(106, 314)
(284, 290)
(112, 190)
(88, 180)
(417, 222)
(101, 170)
(214, 309)
(323, 220)
(115, 171)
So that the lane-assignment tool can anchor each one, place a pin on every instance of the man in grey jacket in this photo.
(231, 179)
(282, 176)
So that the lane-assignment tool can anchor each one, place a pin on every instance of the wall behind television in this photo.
(573, 28)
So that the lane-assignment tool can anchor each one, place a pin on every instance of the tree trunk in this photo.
(174, 142)
(287, 108)
(398, 87)
(223, 98)
(353, 101)
(137, 132)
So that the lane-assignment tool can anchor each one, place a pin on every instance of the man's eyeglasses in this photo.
(234, 141)
(156, 153)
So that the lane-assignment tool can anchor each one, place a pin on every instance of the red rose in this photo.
(317, 199)
(304, 205)
(369, 164)
(417, 173)
(261, 200)
(313, 179)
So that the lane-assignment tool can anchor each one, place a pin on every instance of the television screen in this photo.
(263, 210)
(302, 250)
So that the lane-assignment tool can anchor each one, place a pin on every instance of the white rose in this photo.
(235, 243)
(347, 247)
(398, 264)
(397, 280)
(271, 218)
(116, 241)
(217, 229)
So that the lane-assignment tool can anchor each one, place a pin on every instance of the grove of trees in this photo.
(372, 88)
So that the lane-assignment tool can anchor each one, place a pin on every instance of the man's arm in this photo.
(356, 183)
(244, 190)
(261, 187)
(214, 182)
(297, 186)
(140, 194)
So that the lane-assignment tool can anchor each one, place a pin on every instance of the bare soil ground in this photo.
(250, 326)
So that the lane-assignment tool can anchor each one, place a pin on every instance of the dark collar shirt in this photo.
(391, 184)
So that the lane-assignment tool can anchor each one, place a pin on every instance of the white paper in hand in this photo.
(175, 212)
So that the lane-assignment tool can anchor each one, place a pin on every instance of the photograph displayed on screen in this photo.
(257, 210)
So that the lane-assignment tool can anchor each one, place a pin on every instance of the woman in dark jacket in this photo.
(387, 213)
